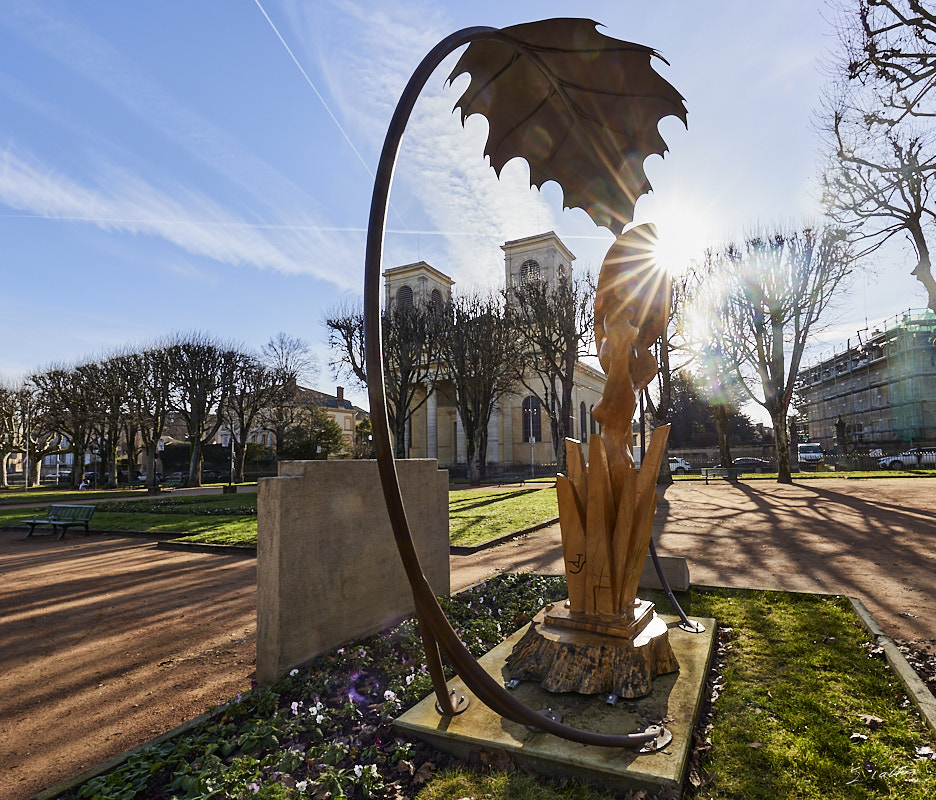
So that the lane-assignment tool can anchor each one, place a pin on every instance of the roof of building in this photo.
(327, 400)
(418, 266)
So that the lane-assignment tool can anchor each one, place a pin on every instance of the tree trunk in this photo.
(240, 456)
(110, 463)
(721, 431)
(131, 433)
(566, 412)
(481, 452)
(778, 420)
(399, 439)
(35, 467)
(78, 467)
(149, 466)
(4, 460)
(664, 476)
(923, 270)
(196, 459)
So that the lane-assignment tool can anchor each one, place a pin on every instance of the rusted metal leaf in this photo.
(582, 108)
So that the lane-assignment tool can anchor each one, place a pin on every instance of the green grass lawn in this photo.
(805, 710)
(62, 495)
(475, 515)
(218, 519)
(480, 515)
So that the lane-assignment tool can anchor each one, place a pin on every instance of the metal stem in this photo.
(686, 624)
(428, 610)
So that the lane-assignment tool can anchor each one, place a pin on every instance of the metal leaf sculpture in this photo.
(580, 107)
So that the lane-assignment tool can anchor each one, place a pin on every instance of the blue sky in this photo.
(176, 166)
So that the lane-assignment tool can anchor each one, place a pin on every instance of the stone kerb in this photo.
(328, 570)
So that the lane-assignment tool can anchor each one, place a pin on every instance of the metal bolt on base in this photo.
(459, 703)
(660, 740)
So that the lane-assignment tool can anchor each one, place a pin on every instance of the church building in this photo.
(519, 429)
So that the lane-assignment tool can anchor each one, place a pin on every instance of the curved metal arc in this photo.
(428, 610)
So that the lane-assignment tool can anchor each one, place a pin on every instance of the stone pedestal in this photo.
(564, 659)
(675, 697)
(328, 569)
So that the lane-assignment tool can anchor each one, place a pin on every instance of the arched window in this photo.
(532, 419)
(591, 416)
(435, 299)
(583, 422)
(529, 271)
(404, 297)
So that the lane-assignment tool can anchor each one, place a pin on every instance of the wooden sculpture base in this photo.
(624, 627)
(565, 659)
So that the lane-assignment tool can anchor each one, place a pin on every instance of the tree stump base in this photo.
(565, 659)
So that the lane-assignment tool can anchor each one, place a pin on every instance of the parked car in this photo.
(915, 457)
(810, 454)
(679, 466)
(750, 464)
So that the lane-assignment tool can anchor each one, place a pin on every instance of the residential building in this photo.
(339, 409)
(519, 430)
(878, 391)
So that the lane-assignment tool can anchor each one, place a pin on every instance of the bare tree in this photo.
(112, 378)
(39, 434)
(877, 125)
(71, 399)
(674, 353)
(148, 382)
(202, 371)
(481, 354)
(411, 350)
(554, 325)
(892, 44)
(256, 389)
(289, 360)
(10, 438)
(289, 356)
(766, 297)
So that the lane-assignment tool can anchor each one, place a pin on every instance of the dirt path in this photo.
(872, 539)
(106, 642)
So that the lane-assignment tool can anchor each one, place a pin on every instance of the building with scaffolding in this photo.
(877, 393)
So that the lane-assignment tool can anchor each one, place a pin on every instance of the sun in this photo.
(684, 231)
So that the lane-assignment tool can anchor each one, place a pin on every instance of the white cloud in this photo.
(441, 167)
(294, 240)
(183, 217)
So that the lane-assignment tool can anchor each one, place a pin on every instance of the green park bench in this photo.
(729, 473)
(63, 517)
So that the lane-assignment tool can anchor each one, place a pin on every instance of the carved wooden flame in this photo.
(606, 508)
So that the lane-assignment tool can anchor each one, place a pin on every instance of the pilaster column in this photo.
(508, 436)
(493, 431)
(432, 427)
(461, 451)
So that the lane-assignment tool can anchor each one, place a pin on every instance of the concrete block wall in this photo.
(328, 570)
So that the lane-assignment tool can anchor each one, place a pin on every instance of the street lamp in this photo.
(532, 439)
(26, 459)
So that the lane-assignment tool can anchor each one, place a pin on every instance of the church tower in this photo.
(416, 285)
(541, 257)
